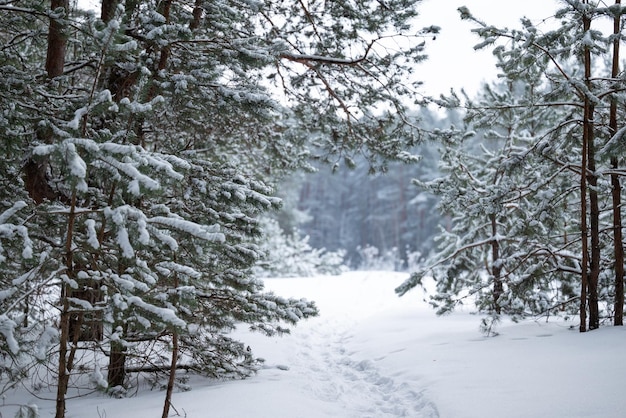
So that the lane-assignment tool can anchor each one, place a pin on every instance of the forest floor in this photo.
(372, 354)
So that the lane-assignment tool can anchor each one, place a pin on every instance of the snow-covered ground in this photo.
(371, 354)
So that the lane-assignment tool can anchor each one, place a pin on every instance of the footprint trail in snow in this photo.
(336, 375)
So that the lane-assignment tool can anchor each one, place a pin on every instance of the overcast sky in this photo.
(452, 60)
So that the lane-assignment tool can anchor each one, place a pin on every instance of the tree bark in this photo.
(55, 63)
(107, 10)
(592, 181)
(172, 377)
(116, 374)
(616, 191)
(197, 15)
(66, 356)
(618, 314)
(594, 221)
(587, 131)
(57, 40)
(163, 62)
(496, 271)
(62, 369)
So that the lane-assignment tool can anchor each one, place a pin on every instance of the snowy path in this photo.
(338, 375)
(371, 354)
(322, 354)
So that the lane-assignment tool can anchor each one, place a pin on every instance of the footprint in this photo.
(336, 374)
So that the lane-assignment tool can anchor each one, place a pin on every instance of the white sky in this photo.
(452, 60)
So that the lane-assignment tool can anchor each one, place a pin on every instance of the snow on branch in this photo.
(301, 58)
(7, 328)
(307, 59)
(205, 232)
(132, 159)
(8, 230)
(616, 141)
(169, 267)
(166, 315)
(20, 204)
(131, 171)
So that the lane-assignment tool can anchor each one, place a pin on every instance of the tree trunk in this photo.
(63, 378)
(117, 365)
(57, 40)
(173, 363)
(164, 9)
(587, 132)
(618, 246)
(592, 181)
(594, 221)
(107, 10)
(172, 378)
(55, 63)
(66, 356)
(618, 314)
(197, 15)
(496, 271)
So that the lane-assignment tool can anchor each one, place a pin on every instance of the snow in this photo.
(208, 233)
(372, 354)
(132, 172)
(166, 315)
(78, 115)
(124, 242)
(92, 236)
(4, 216)
(7, 326)
(8, 230)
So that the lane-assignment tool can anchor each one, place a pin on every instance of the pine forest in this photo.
(160, 159)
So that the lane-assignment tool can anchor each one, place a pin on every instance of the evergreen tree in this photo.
(500, 199)
(524, 190)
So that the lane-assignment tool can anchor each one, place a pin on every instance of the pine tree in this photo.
(575, 107)
(618, 316)
(499, 199)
